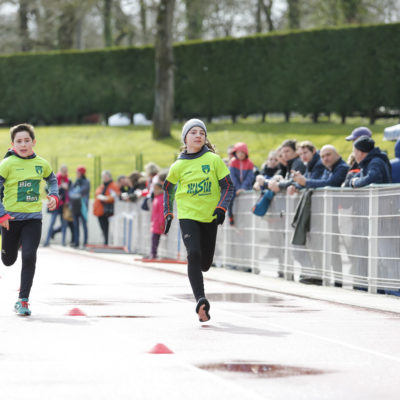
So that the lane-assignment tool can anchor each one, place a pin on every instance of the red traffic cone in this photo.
(76, 312)
(160, 348)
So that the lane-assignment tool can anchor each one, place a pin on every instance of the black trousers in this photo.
(26, 233)
(103, 221)
(199, 239)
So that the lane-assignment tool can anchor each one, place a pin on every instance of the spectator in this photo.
(353, 171)
(103, 207)
(268, 170)
(396, 163)
(64, 184)
(334, 174)
(124, 185)
(157, 219)
(312, 160)
(151, 169)
(290, 156)
(79, 200)
(355, 134)
(374, 163)
(137, 183)
(241, 171)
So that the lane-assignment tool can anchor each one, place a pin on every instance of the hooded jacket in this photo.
(375, 168)
(333, 177)
(396, 163)
(241, 172)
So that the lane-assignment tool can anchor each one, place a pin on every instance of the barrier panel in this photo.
(353, 240)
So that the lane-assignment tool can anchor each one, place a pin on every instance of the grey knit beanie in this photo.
(191, 124)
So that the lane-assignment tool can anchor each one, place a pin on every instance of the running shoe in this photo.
(22, 307)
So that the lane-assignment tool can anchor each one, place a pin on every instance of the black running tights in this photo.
(26, 233)
(199, 239)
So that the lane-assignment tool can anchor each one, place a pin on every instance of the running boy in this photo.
(20, 210)
(204, 191)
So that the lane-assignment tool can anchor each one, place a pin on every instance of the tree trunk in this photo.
(67, 28)
(343, 117)
(352, 11)
(164, 82)
(287, 116)
(294, 14)
(268, 14)
(143, 21)
(258, 16)
(107, 18)
(194, 19)
(26, 43)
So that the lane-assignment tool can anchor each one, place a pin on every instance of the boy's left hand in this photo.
(52, 204)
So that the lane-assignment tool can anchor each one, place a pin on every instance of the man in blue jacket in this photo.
(334, 174)
(374, 163)
(396, 163)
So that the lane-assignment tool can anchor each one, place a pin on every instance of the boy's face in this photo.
(23, 144)
(240, 155)
(305, 154)
(288, 153)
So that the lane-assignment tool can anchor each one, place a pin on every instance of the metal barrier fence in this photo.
(353, 241)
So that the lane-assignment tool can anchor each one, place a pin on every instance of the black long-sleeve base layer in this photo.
(199, 239)
(26, 233)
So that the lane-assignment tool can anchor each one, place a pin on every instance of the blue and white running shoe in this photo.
(22, 307)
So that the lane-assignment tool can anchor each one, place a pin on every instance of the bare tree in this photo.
(294, 14)
(107, 22)
(23, 12)
(164, 65)
(195, 13)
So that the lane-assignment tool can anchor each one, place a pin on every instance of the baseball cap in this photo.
(358, 132)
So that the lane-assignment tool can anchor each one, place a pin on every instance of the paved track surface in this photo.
(259, 344)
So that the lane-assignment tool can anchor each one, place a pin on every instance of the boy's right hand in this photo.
(168, 220)
(4, 221)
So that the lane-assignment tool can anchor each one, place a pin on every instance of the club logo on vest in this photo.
(205, 168)
(39, 169)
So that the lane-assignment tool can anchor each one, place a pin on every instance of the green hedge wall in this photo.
(343, 70)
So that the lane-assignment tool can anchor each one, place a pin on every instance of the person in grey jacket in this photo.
(373, 162)
(335, 172)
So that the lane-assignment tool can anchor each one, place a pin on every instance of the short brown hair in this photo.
(22, 128)
(292, 143)
(307, 145)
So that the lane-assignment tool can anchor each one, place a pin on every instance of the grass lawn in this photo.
(119, 146)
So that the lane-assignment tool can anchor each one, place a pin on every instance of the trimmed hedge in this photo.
(347, 70)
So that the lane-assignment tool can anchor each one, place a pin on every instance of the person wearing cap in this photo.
(79, 200)
(395, 163)
(203, 192)
(373, 162)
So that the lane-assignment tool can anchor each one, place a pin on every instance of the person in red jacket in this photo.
(157, 218)
(241, 171)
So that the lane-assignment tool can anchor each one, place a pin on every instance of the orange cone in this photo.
(160, 348)
(76, 312)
